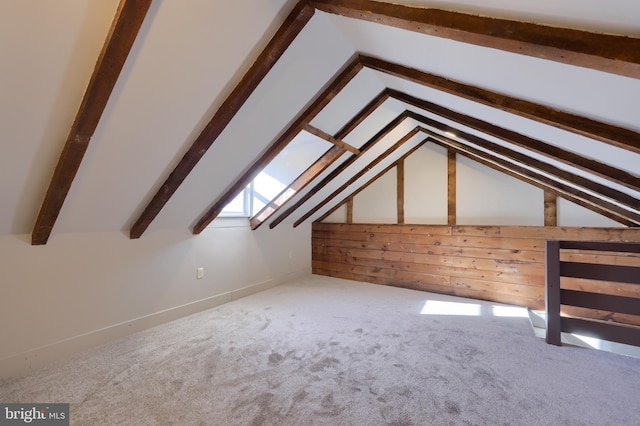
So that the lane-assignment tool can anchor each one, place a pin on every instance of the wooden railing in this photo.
(557, 296)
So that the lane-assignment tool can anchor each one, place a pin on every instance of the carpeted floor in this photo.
(322, 351)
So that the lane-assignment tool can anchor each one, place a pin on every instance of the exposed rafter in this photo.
(604, 52)
(553, 152)
(624, 210)
(120, 39)
(349, 199)
(288, 31)
(333, 88)
(608, 133)
(358, 175)
(565, 190)
(539, 180)
(327, 137)
(517, 157)
(558, 154)
(362, 115)
(516, 171)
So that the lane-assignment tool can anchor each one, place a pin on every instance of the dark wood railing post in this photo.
(552, 288)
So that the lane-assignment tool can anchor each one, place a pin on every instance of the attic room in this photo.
(245, 212)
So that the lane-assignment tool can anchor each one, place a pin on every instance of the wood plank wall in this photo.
(498, 263)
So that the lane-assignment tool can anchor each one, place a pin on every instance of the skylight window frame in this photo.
(247, 204)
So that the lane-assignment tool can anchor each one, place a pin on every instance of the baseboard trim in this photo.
(38, 357)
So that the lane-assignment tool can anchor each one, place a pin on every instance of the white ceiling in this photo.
(187, 59)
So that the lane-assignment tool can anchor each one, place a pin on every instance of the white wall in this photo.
(338, 216)
(80, 290)
(487, 197)
(377, 202)
(571, 214)
(425, 186)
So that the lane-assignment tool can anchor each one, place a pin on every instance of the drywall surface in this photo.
(377, 202)
(84, 289)
(570, 214)
(488, 197)
(425, 186)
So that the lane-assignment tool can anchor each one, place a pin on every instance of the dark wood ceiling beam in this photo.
(593, 203)
(320, 165)
(358, 175)
(608, 133)
(558, 154)
(334, 87)
(288, 31)
(338, 170)
(122, 34)
(620, 197)
(362, 115)
(604, 52)
(327, 137)
(584, 163)
(349, 199)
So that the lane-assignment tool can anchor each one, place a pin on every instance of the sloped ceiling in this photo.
(188, 57)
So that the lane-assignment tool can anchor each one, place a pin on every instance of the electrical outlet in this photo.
(199, 273)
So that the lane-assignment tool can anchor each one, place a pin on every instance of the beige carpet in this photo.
(322, 351)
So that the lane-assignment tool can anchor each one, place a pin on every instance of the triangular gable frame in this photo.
(496, 163)
(603, 170)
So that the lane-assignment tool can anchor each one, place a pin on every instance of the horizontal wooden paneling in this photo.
(577, 312)
(503, 264)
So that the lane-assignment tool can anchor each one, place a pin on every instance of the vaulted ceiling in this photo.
(188, 101)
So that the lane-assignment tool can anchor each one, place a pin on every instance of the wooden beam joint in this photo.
(327, 137)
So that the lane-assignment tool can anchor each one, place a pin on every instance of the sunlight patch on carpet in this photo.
(439, 307)
(510, 311)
